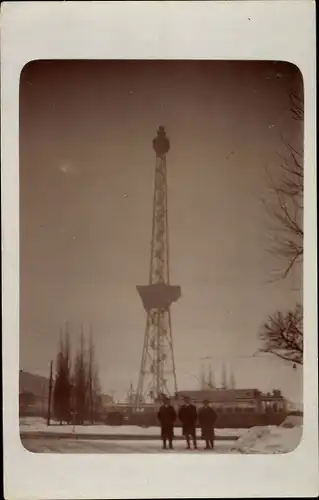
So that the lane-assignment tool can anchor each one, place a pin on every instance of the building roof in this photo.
(222, 395)
(38, 385)
(106, 399)
(218, 394)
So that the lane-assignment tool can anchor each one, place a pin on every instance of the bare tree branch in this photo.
(282, 334)
(287, 209)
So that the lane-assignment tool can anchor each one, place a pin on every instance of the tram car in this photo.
(236, 408)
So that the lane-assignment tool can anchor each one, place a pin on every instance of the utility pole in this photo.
(43, 400)
(50, 393)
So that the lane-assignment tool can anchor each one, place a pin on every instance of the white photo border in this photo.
(255, 30)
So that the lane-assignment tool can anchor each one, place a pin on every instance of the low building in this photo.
(33, 394)
(238, 400)
(106, 400)
(235, 408)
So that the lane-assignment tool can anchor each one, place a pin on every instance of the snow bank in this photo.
(36, 424)
(269, 439)
(249, 438)
(292, 421)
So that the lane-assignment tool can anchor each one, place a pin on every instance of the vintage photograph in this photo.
(161, 256)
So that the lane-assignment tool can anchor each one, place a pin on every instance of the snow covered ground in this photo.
(269, 439)
(49, 445)
(261, 440)
(36, 424)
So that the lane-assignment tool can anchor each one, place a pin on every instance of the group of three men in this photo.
(188, 417)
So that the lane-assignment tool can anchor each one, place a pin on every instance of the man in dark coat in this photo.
(167, 417)
(188, 416)
(207, 418)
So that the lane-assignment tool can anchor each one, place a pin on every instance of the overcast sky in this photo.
(86, 181)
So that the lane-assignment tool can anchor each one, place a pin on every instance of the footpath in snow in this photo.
(119, 446)
(262, 440)
(34, 425)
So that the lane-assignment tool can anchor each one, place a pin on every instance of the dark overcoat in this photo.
(167, 417)
(207, 418)
(188, 416)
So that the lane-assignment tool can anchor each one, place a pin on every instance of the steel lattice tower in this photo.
(157, 374)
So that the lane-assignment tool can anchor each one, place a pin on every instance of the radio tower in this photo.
(157, 376)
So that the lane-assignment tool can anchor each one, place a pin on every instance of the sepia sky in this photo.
(86, 188)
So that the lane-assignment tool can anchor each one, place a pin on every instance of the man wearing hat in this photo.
(188, 416)
(207, 418)
(167, 417)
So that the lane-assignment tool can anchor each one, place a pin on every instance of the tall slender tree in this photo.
(62, 382)
(90, 377)
(203, 382)
(232, 381)
(80, 382)
(77, 391)
(94, 387)
(224, 384)
(211, 381)
(96, 391)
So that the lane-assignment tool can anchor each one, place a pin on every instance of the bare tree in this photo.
(90, 378)
(282, 333)
(62, 384)
(93, 383)
(287, 211)
(80, 383)
(96, 393)
(87, 390)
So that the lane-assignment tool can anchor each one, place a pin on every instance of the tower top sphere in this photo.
(161, 142)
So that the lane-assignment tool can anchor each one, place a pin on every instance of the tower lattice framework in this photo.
(157, 373)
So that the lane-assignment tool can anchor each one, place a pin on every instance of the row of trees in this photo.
(76, 390)
(282, 332)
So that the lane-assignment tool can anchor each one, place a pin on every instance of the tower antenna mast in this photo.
(157, 377)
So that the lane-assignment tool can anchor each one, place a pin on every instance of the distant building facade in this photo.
(33, 394)
(106, 400)
(238, 400)
(241, 408)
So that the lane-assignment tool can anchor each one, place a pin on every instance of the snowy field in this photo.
(118, 446)
(36, 424)
(257, 440)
